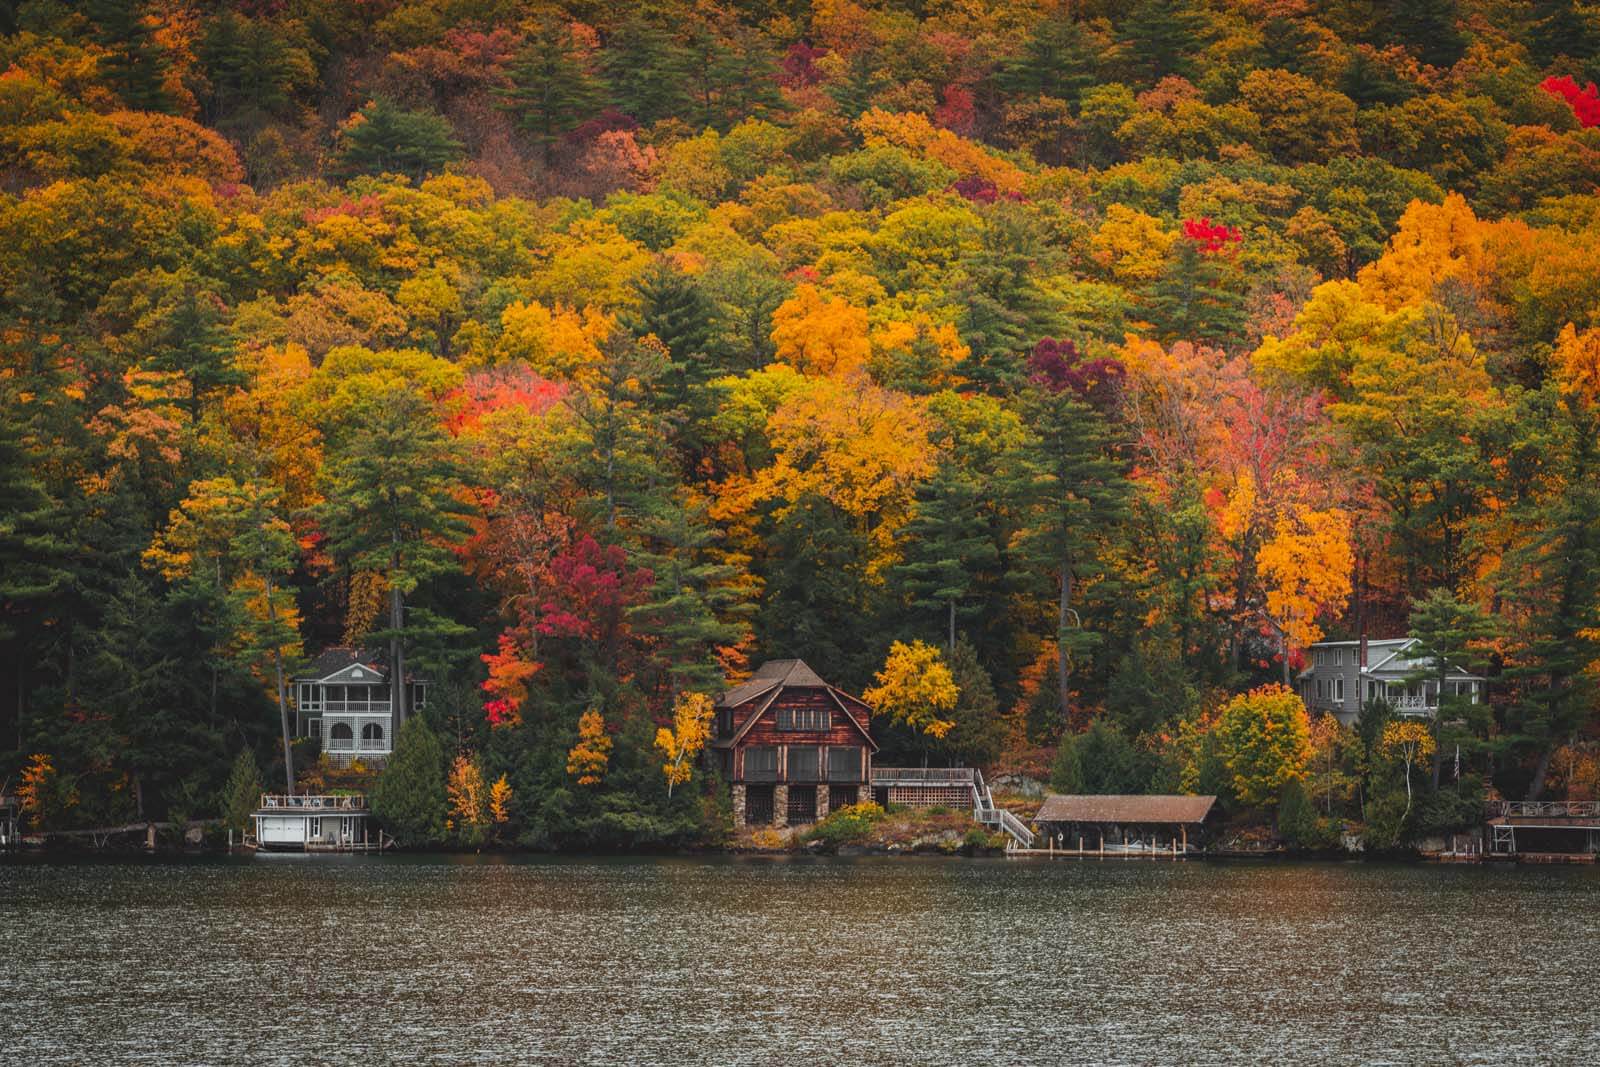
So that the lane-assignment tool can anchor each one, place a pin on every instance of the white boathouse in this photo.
(315, 823)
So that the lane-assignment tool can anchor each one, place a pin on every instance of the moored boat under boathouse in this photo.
(315, 824)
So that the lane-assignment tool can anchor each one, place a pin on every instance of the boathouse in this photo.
(314, 823)
(793, 746)
(1117, 823)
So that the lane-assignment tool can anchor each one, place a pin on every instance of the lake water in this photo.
(297, 960)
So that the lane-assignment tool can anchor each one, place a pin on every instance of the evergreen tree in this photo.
(1003, 310)
(948, 547)
(1449, 634)
(385, 138)
(136, 65)
(1058, 60)
(552, 87)
(1430, 28)
(36, 571)
(393, 504)
(979, 734)
(815, 602)
(1099, 761)
(242, 793)
(409, 799)
(1556, 580)
(1072, 484)
(1198, 297)
(696, 604)
(1163, 36)
(646, 68)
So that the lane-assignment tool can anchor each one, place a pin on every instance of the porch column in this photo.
(738, 804)
(780, 805)
(822, 802)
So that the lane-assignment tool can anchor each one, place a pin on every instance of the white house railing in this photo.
(354, 707)
(364, 744)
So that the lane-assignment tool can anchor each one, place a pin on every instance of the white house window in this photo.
(1319, 688)
(1338, 690)
(371, 735)
(1338, 657)
(316, 728)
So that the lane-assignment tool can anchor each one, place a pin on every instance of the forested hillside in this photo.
(591, 353)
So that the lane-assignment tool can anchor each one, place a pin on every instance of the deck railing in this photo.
(351, 803)
(884, 776)
(1546, 809)
(361, 745)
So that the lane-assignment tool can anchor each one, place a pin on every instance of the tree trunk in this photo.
(952, 627)
(1536, 787)
(1438, 725)
(1063, 671)
(283, 699)
(397, 661)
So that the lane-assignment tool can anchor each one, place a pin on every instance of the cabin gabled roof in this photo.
(333, 662)
(771, 679)
(773, 674)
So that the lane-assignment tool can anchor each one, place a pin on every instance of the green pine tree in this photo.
(646, 68)
(409, 799)
(242, 793)
(948, 548)
(384, 138)
(393, 505)
(1071, 483)
(553, 89)
(1058, 59)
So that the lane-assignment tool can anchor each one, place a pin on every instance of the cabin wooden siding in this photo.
(841, 733)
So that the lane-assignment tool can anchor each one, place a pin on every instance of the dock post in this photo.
(1102, 846)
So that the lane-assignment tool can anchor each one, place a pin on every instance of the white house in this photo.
(1343, 675)
(306, 823)
(345, 700)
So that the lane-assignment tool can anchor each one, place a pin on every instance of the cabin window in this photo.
(803, 719)
(804, 764)
(844, 764)
(761, 763)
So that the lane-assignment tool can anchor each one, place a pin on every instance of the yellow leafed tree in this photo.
(1410, 742)
(1305, 568)
(500, 800)
(691, 729)
(818, 335)
(914, 687)
(588, 758)
(469, 809)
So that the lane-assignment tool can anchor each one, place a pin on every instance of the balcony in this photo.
(351, 707)
(363, 744)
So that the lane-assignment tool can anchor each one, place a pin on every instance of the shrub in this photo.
(847, 825)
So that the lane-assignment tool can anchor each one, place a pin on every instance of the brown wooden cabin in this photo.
(793, 746)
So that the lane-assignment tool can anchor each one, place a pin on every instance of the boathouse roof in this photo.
(1125, 809)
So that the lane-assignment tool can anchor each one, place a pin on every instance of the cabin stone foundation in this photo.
(780, 804)
(822, 802)
(738, 804)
